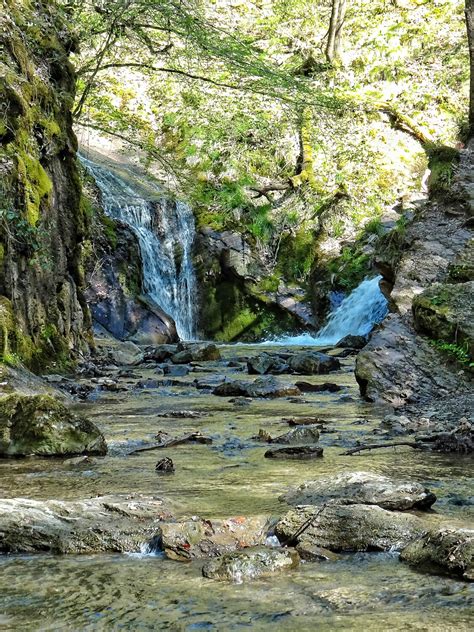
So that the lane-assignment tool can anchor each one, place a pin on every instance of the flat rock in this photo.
(267, 386)
(349, 527)
(198, 538)
(295, 453)
(42, 425)
(250, 563)
(127, 353)
(362, 488)
(103, 524)
(300, 435)
(447, 550)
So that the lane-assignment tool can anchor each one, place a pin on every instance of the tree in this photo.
(469, 11)
(336, 24)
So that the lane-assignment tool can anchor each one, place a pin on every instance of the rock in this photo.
(349, 527)
(199, 352)
(179, 370)
(182, 357)
(258, 365)
(362, 488)
(352, 342)
(127, 353)
(182, 414)
(313, 363)
(42, 425)
(160, 353)
(261, 387)
(303, 421)
(295, 453)
(164, 466)
(148, 383)
(197, 538)
(312, 553)
(299, 436)
(250, 563)
(103, 524)
(448, 550)
(444, 312)
(330, 387)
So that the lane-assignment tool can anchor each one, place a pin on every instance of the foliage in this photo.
(460, 353)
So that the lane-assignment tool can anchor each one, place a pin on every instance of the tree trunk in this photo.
(336, 24)
(469, 11)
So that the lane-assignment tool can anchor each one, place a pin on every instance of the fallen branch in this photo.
(306, 525)
(376, 446)
(192, 437)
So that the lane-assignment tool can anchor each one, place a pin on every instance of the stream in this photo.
(366, 591)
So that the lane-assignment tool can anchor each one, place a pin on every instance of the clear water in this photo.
(357, 314)
(165, 232)
(366, 592)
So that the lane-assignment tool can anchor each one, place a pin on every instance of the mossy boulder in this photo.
(41, 425)
(447, 550)
(250, 563)
(444, 312)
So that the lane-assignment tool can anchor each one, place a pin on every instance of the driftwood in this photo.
(416, 445)
(192, 437)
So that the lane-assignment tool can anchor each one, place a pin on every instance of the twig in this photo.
(306, 524)
(192, 436)
(374, 446)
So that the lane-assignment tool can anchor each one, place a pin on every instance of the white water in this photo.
(357, 314)
(165, 232)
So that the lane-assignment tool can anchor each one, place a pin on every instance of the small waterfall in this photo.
(165, 232)
(357, 314)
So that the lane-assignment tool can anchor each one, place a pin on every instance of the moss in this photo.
(442, 161)
(36, 182)
(7, 326)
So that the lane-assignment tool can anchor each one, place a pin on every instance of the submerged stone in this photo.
(42, 425)
(295, 453)
(448, 550)
(362, 488)
(251, 563)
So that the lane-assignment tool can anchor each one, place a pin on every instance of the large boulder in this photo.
(313, 363)
(126, 354)
(250, 563)
(349, 527)
(103, 524)
(447, 550)
(262, 387)
(42, 425)
(444, 312)
(353, 488)
(352, 342)
(197, 538)
(196, 352)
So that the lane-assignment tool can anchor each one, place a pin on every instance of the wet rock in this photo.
(165, 466)
(448, 550)
(299, 436)
(196, 352)
(261, 364)
(313, 363)
(352, 342)
(330, 387)
(197, 538)
(127, 353)
(241, 401)
(179, 370)
(295, 453)
(103, 524)
(261, 387)
(208, 383)
(362, 488)
(42, 425)
(250, 563)
(349, 527)
(160, 353)
(303, 421)
(312, 553)
(148, 383)
(182, 414)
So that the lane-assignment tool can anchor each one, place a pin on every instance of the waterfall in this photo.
(165, 232)
(357, 314)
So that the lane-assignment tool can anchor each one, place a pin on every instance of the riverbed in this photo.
(369, 591)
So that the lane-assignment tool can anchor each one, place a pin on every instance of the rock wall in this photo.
(43, 316)
(421, 351)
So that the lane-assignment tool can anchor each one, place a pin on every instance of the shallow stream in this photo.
(230, 477)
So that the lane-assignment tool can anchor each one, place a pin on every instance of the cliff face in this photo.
(43, 317)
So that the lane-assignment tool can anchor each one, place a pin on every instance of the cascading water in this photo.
(165, 238)
(357, 314)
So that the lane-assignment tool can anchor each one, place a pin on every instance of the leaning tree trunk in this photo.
(469, 11)
(336, 24)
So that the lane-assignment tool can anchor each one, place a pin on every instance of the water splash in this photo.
(165, 232)
(357, 314)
